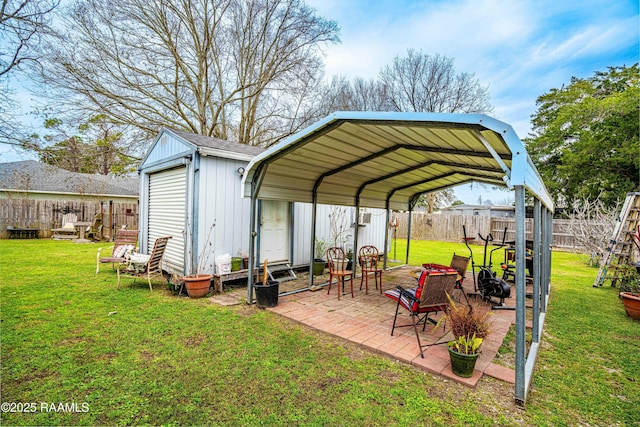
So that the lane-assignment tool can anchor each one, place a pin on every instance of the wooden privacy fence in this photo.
(45, 215)
(448, 228)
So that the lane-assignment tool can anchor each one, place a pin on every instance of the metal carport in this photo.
(387, 160)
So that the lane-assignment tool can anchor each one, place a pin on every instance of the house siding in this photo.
(217, 212)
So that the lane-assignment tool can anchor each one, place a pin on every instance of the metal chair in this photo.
(337, 268)
(368, 258)
(430, 296)
(151, 268)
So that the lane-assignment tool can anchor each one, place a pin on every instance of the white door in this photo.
(167, 196)
(274, 231)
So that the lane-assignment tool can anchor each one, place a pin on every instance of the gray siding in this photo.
(214, 206)
(223, 214)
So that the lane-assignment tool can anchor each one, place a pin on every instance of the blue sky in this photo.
(520, 49)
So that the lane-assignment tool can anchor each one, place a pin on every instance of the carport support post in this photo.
(520, 390)
(386, 236)
(355, 235)
(537, 259)
(406, 261)
(252, 244)
(313, 237)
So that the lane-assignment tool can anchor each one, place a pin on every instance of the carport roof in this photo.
(387, 159)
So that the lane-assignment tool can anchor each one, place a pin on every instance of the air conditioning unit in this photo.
(364, 218)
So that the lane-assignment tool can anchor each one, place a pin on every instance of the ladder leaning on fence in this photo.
(621, 245)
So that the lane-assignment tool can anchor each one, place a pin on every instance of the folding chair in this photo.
(151, 265)
(368, 260)
(430, 296)
(337, 262)
(461, 265)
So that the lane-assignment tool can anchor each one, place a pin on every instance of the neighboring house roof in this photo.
(479, 207)
(33, 176)
(216, 144)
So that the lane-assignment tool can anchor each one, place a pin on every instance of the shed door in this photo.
(274, 231)
(167, 210)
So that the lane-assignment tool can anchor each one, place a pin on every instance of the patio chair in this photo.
(67, 230)
(430, 296)
(461, 265)
(337, 263)
(145, 266)
(94, 231)
(368, 258)
(126, 240)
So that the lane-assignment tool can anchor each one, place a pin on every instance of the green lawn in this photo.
(134, 357)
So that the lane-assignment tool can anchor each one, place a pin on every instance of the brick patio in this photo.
(367, 319)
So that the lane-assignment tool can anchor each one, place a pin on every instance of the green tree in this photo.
(96, 146)
(586, 137)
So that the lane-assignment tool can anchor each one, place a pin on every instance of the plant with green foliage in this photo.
(628, 279)
(586, 139)
(466, 345)
(320, 248)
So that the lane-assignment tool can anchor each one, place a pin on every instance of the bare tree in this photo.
(339, 224)
(358, 94)
(591, 224)
(416, 83)
(224, 68)
(423, 83)
(22, 23)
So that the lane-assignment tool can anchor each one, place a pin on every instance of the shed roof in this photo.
(387, 159)
(216, 144)
(33, 176)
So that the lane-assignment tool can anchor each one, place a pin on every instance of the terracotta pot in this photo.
(197, 285)
(631, 304)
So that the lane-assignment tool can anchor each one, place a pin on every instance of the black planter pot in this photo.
(267, 295)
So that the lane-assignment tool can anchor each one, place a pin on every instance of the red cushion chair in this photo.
(430, 296)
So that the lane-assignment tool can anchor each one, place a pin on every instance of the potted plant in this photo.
(267, 291)
(319, 252)
(199, 281)
(629, 281)
(469, 325)
(350, 259)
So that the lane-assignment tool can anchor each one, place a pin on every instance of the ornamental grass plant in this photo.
(466, 320)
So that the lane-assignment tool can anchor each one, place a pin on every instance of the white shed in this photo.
(190, 189)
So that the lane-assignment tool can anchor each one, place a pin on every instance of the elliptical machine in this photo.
(489, 285)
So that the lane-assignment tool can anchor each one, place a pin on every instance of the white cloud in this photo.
(520, 49)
